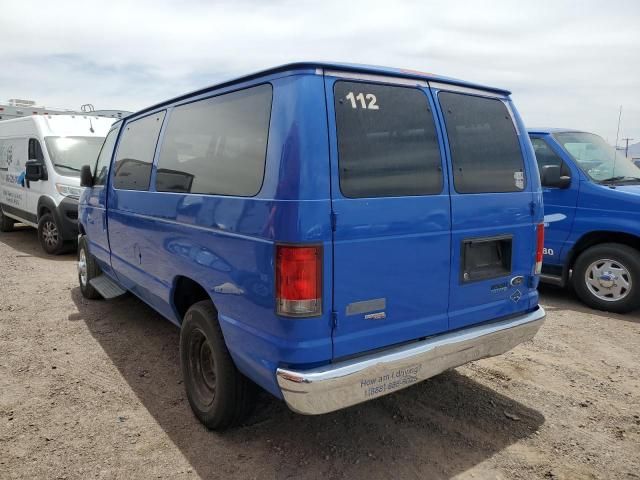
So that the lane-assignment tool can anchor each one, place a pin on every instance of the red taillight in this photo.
(539, 247)
(298, 280)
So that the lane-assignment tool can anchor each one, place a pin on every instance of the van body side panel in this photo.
(390, 275)
(511, 216)
(226, 244)
(604, 209)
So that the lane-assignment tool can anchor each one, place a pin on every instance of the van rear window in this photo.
(387, 142)
(217, 146)
(485, 150)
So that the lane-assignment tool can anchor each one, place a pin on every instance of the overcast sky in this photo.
(568, 63)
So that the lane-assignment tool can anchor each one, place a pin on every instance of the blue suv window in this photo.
(135, 153)
(485, 150)
(387, 142)
(218, 145)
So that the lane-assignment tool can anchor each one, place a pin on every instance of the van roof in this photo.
(548, 130)
(59, 125)
(343, 67)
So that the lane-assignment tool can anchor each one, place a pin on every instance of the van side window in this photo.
(6, 152)
(217, 146)
(387, 142)
(485, 151)
(135, 153)
(545, 156)
(104, 159)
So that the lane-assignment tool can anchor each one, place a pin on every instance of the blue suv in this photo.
(592, 218)
(331, 233)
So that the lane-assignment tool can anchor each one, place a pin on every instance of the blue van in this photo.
(331, 233)
(592, 218)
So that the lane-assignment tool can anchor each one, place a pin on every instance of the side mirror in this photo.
(86, 177)
(35, 171)
(551, 176)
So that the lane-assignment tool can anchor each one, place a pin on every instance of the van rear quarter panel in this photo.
(227, 244)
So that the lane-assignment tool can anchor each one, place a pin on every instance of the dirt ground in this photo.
(94, 390)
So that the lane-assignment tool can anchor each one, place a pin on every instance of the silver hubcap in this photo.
(50, 234)
(82, 267)
(609, 280)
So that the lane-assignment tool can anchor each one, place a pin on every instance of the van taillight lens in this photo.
(539, 247)
(298, 280)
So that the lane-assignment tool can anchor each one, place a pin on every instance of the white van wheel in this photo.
(50, 235)
(6, 223)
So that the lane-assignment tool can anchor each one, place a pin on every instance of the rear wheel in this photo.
(87, 270)
(607, 277)
(50, 235)
(218, 393)
(6, 223)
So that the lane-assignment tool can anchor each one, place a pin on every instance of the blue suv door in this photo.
(95, 212)
(559, 203)
(495, 196)
(391, 204)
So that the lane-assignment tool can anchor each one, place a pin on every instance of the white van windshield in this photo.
(69, 154)
(597, 158)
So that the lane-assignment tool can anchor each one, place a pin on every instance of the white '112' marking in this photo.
(370, 97)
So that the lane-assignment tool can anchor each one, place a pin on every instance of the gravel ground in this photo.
(94, 390)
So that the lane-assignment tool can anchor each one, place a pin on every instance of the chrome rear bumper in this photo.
(342, 384)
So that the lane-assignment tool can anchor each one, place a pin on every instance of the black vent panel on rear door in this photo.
(485, 258)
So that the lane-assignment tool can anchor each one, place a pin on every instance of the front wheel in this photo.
(219, 395)
(88, 269)
(607, 277)
(50, 235)
(6, 223)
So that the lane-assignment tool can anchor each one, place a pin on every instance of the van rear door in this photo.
(391, 208)
(493, 236)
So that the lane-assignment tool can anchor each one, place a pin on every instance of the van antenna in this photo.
(615, 146)
(91, 126)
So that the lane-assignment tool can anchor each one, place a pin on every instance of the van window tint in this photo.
(104, 159)
(485, 150)
(387, 143)
(218, 145)
(135, 153)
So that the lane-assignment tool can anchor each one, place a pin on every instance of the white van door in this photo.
(35, 190)
(13, 194)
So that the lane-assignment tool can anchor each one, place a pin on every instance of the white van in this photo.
(40, 160)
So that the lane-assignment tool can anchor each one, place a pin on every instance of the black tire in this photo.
(6, 223)
(91, 270)
(50, 235)
(220, 396)
(624, 268)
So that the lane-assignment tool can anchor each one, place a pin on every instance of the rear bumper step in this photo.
(342, 384)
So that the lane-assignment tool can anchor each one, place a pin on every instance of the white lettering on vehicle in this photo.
(547, 251)
(370, 97)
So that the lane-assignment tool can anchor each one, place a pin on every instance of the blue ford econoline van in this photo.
(592, 215)
(331, 233)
